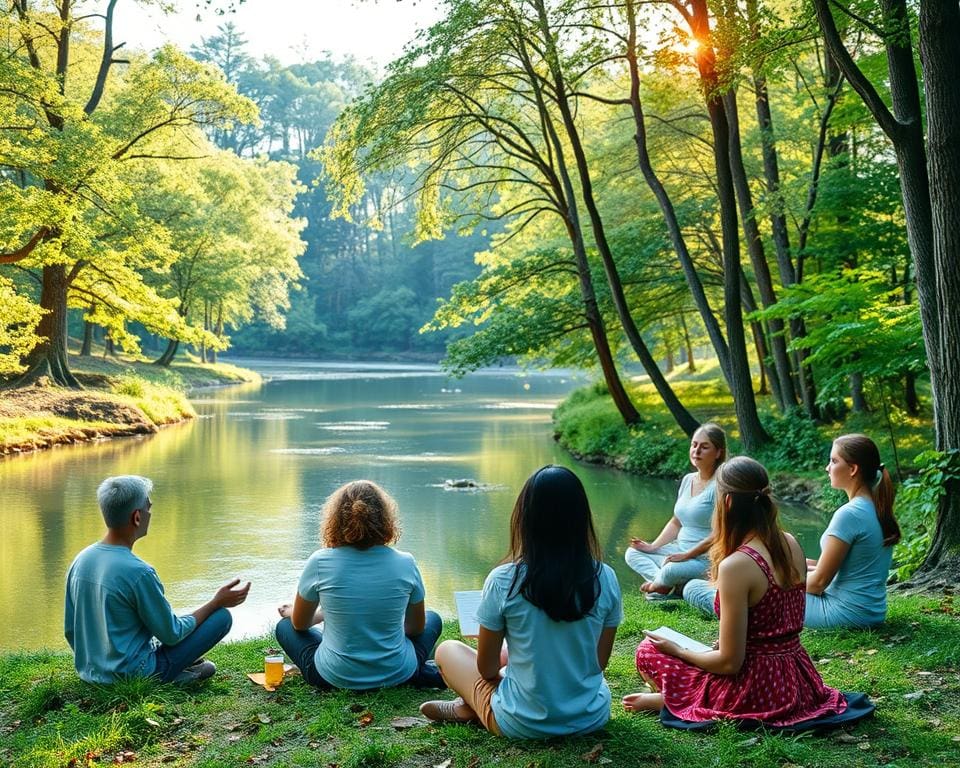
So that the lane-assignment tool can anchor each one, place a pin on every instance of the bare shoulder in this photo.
(736, 565)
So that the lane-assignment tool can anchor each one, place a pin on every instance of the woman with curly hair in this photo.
(369, 598)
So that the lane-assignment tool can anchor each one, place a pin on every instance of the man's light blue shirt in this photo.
(114, 609)
(553, 684)
(364, 595)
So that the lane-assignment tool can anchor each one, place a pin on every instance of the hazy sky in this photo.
(290, 30)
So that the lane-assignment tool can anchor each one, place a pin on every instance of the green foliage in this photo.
(797, 444)
(918, 503)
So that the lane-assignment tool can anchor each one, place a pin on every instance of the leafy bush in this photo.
(797, 443)
(917, 506)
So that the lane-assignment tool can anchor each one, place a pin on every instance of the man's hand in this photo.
(230, 596)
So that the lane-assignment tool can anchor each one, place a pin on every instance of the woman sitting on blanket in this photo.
(369, 597)
(557, 605)
(847, 585)
(759, 670)
(678, 554)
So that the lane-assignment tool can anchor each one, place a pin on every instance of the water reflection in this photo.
(238, 491)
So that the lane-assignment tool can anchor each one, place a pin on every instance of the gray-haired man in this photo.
(117, 620)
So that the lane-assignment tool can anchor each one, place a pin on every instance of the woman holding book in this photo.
(369, 597)
(678, 554)
(557, 605)
(759, 670)
(846, 586)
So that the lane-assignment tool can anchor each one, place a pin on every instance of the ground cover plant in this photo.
(50, 719)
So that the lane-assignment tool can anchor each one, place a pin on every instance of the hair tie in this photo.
(765, 491)
(879, 476)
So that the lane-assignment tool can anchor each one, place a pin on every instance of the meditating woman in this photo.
(557, 605)
(846, 586)
(369, 597)
(759, 670)
(678, 554)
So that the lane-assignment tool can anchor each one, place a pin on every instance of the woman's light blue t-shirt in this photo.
(553, 684)
(364, 595)
(860, 584)
(695, 513)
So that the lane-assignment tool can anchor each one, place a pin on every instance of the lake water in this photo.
(238, 491)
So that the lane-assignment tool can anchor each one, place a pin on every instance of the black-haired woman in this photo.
(557, 606)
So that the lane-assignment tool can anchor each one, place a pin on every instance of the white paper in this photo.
(467, 603)
(687, 643)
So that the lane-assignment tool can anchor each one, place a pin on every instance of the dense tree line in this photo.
(733, 169)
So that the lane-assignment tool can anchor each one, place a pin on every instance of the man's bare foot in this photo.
(652, 586)
(643, 702)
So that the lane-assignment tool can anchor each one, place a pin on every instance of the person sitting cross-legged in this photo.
(116, 618)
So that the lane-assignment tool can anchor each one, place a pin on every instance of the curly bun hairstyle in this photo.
(360, 514)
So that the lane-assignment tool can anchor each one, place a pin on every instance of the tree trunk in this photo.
(168, 354)
(681, 415)
(857, 397)
(666, 204)
(49, 357)
(760, 333)
(752, 433)
(910, 398)
(787, 396)
(939, 33)
(87, 345)
(688, 345)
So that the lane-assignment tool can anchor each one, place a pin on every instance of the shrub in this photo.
(797, 444)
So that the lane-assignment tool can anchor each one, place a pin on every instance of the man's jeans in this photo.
(301, 647)
(173, 659)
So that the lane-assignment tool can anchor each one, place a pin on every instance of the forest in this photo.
(613, 186)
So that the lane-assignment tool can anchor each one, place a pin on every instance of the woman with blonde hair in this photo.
(759, 670)
(846, 586)
(369, 598)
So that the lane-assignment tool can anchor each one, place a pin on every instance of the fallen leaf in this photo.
(594, 754)
(749, 742)
(277, 742)
(234, 737)
(936, 722)
(847, 738)
(872, 651)
(444, 764)
(176, 721)
(474, 762)
(72, 763)
(822, 661)
(365, 719)
(264, 718)
(955, 738)
(400, 723)
(864, 746)
(151, 721)
(913, 696)
(231, 726)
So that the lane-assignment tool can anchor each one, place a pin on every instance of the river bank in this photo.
(121, 397)
(50, 719)
(588, 425)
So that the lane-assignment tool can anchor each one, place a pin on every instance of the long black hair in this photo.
(552, 537)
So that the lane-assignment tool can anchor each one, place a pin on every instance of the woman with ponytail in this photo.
(369, 598)
(557, 605)
(759, 671)
(846, 586)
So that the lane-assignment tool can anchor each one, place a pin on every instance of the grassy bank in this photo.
(49, 719)
(588, 425)
(121, 396)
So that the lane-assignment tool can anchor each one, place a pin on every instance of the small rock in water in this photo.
(462, 483)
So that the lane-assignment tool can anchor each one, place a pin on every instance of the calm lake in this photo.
(238, 491)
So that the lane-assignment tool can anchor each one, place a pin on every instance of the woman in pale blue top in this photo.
(846, 586)
(679, 553)
(369, 598)
(557, 605)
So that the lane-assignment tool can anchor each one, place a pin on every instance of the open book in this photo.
(687, 643)
(467, 602)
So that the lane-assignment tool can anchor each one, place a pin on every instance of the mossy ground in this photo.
(50, 719)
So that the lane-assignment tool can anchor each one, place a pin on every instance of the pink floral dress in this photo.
(777, 683)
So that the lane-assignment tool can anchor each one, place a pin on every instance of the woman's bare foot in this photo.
(643, 702)
(652, 586)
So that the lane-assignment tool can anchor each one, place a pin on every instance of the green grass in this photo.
(48, 717)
